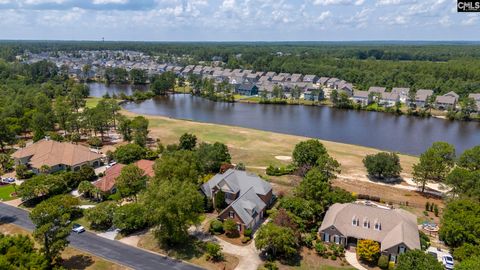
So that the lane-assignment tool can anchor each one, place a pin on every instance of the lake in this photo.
(404, 134)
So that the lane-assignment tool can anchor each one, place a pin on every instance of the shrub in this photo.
(337, 250)
(307, 239)
(427, 206)
(230, 228)
(216, 227)
(246, 239)
(368, 250)
(94, 142)
(333, 257)
(220, 203)
(320, 248)
(391, 265)
(435, 210)
(270, 266)
(214, 251)
(247, 232)
(383, 262)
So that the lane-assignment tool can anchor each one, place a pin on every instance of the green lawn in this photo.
(92, 101)
(5, 192)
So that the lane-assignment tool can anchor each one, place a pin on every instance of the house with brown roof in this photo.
(56, 155)
(246, 195)
(107, 182)
(395, 229)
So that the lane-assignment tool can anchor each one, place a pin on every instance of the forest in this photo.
(441, 66)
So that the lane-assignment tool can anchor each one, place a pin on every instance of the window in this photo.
(378, 226)
(326, 237)
(354, 221)
(366, 223)
(336, 239)
(231, 214)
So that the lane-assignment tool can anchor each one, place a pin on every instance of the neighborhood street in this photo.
(111, 250)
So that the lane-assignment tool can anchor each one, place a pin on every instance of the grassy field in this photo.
(258, 149)
(73, 258)
(92, 102)
(5, 192)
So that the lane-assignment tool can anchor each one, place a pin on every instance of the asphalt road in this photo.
(109, 249)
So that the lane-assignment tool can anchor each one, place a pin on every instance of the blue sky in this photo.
(236, 20)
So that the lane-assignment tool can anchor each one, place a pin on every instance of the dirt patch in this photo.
(311, 260)
(284, 158)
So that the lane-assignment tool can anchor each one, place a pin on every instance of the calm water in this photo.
(404, 134)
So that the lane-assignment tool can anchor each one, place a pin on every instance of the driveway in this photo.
(111, 250)
(351, 258)
(248, 256)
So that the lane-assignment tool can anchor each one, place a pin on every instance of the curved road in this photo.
(109, 249)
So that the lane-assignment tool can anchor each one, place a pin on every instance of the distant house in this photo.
(344, 87)
(377, 89)
(266, 89)
(56, 155)
(402, 93)
(313, 94)
(107, 182)
(476, 97)
(422, 96)
(246, 195)
(389, 99)
(247, 89)
(310, 79)
(395, 229)
(323, 80)
(271, 74)
(278, 79)
(361, 97)
(295, 78)
(447, 101)
(333, 83)
(253, 77)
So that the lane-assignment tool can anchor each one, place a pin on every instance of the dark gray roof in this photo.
(237, 181)
(377, 89)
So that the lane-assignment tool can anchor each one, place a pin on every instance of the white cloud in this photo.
(104, 2)
(338, 2)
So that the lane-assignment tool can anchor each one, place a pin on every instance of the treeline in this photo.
(441, 67)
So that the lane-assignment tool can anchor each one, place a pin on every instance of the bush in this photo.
(333, 257)
(216, 227)
(230, 228)
(247, 232)
(130, 218)
(368, 250)
(270, 266)
(214, 251)
(94, 142)
(101, 216)
(337, 250)
(246, 239)
(279, 171)
(383, 262)
(391, 265)
(320, 248)
(307, 239)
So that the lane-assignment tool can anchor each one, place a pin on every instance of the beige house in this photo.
(395, 229)
(56, 155)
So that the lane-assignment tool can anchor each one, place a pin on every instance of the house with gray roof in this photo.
(310, 79)
(447, 101)
(377, 89)
(388, 99)
(361, 97)
(402, 93)
(246, 195)
(323, 80)
(422, 96)
(271, 74)
(475, 97)
(395, 229)
(295, 78)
